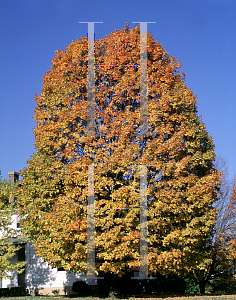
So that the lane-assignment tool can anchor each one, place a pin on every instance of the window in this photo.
(21, 253)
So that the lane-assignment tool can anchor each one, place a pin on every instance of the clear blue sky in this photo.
(200, 33)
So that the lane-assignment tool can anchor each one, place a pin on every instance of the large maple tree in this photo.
(178, 151)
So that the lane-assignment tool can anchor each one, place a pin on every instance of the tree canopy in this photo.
(182, 183)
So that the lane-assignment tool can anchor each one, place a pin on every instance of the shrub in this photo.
(222, 285)
(55, 292)
(172, 285)
(191, 285)
(14, 291)
(80, 287)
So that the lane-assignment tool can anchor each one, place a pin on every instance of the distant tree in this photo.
(8, 234)
(182, 181)
(232, 213)
(219, 271)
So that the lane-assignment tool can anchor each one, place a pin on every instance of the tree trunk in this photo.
(202, 286)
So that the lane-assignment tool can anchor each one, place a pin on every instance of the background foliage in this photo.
(8, 234)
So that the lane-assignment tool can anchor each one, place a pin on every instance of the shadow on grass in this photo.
(155, 296)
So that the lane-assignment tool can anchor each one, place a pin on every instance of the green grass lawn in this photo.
(159, 297)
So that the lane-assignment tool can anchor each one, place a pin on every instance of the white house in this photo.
(38, 275)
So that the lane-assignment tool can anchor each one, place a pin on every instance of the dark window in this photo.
(60, 269)
(21, 253)
(21, 257)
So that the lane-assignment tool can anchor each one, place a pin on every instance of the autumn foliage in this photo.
(178, 151)
(7, 233)
(230, 237)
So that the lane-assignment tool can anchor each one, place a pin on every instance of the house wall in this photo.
(8, 282)
(39, 274)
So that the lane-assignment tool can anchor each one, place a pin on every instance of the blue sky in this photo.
(201, 34)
